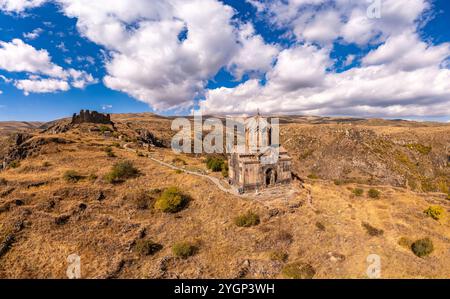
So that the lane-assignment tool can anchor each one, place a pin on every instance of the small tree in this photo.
(121, 171)
(172, 200)
(422, 247)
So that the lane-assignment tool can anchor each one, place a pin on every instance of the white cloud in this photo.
(6, 80)
(150, 62)
(19, 6)
(41, 85)
(17, 56)
(254, 55)
(33, 34)
(407, 52)
(145, 58)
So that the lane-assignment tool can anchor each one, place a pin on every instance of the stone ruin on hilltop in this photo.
(94, 117)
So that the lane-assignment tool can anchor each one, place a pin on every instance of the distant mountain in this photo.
(13, 126)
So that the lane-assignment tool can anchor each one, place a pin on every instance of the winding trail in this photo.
(231, 190)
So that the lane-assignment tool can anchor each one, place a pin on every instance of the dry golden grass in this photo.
(103, 224)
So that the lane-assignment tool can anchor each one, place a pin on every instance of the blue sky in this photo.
(276, 56)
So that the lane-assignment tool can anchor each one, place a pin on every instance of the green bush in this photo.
(225, 170)
(184, 250)
(372, 231)
(71, 176)
(374, 193)
(358, 192)
(147, 247)
(299, 270)
(422, 247)
(435, 212)
(247, 220)
(172, 200)
(121, 171)
(215, 164)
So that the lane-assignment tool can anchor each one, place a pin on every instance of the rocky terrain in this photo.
(363, 188)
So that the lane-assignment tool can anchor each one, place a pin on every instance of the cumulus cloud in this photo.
(19, 6)
(151, 61)
(33, 34)
(41, 85)
(164, 52)
(17, 56)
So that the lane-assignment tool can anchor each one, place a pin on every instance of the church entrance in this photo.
(271, 177)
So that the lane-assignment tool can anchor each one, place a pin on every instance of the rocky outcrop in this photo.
(94, 117)
(147, 137)
(24, 145)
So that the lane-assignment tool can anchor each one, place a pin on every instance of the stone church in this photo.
(250, 167)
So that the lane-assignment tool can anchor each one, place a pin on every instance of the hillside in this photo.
(56, 201)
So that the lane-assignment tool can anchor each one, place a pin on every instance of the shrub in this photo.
(247, 220)
(358, 192)
(104, 129)
(140, 199)
(71, 176)
(14, 164)
(61, 220)
(313, 176)
(225, 170)
(372, 231)
(278, 256)
(172, 200)
(374, 193)
(121, 171)
(179, 161)
(178, 171)
(299, 270)
(422, 247)
(435, 212)
(320, 226)
(147, 247)
(109, 152)
(46, 164)
(423, 149)
(92, 177)
(215, 164)
(140, 154)
(184, 250)
(3, 182)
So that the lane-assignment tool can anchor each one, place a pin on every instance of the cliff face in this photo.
(87, 116)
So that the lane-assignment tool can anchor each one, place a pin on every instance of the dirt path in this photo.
(231, 190)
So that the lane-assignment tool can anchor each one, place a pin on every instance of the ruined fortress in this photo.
(87, 116)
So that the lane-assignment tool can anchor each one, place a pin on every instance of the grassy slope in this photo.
(103, 234)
